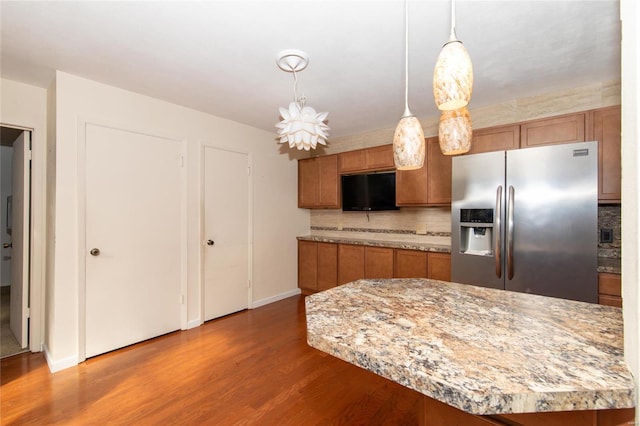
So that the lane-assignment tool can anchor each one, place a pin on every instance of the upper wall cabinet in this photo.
(549, 131)
(318, 183)
(429, 185)
(605, 127)
(368, 159)
(495, 139)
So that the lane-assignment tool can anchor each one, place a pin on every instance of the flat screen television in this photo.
(369, 192)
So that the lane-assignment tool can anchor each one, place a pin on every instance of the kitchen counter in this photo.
(605, 264)
(481, 350)
(408, 245)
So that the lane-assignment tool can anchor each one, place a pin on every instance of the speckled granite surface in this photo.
(481, 350)
(377, 243)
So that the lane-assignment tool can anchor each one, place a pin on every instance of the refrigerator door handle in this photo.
(510, 201)
(497, 240)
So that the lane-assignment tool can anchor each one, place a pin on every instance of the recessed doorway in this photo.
(15, 216)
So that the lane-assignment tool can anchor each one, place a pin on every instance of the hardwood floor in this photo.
(249, 368)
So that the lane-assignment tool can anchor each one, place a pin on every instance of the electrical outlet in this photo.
(421, 229)
(606, 235)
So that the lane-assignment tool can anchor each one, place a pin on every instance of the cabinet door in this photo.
(380, 158)
(378, 262)
(411, 187)
(308, 183)
(439, 266)
(329, 188)
(495, 139)
(352, 161)
(327, 266)
(410, 264)
(438, 174)
(606, 128)
(350, 263)
(307, 265)
(609, 289)
(549, 131)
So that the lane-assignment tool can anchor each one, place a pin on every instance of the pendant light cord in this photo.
(452, 35)
(407, 113)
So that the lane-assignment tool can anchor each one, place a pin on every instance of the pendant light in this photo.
(301, 126)
(453, 73)
(408, 140)
(454, 131)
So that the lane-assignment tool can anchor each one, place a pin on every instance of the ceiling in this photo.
(219, 56)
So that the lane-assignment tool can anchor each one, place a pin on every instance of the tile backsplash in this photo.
(429, 225)
(609, 218)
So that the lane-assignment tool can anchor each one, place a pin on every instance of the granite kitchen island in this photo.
(482, 351)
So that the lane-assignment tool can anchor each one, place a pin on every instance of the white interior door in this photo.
(19, 302)
(134, 230)
(226, 232)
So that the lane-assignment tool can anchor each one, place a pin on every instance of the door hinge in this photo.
(29, 155)
(248, 283)
(182, 161)
(248, 171)
(28, 313)
(182, 299)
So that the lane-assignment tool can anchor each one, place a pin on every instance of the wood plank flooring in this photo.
(249, 368)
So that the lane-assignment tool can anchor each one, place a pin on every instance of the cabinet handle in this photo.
(210, 242)
(510, 203)
(497, 240)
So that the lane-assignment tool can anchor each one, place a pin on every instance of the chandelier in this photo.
(301, 126)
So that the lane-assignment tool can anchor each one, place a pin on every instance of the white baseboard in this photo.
(266, 301)
(194, 323)
(55, 366)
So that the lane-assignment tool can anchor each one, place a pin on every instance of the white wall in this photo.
(22, 105)
(630, 14)
(277, 220)
(6, 154)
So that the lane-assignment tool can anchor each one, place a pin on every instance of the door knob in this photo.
(210, 242)
(94, 252)
(7, 245)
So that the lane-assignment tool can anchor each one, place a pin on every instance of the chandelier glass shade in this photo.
(301, 126)
(453, 73)
(408, 140)
(408, 144)
(454, 131)
(452, 77)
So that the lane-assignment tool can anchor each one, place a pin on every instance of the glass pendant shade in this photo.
(408, 144)
(454, 131)
(452, 77)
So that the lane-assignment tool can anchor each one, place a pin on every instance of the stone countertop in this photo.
(605, 264)
(482, 350)
(408, 245)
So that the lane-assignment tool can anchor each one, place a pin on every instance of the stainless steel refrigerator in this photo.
(526, 220)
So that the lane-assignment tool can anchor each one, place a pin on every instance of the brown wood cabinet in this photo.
(318, 183)
(555, 130)
(317, 266)
(436, 413)
(368, 159)
(429, 185)
(327, 266)
(496, 138)
(308, 266)
(350, 263)
(605, 127)
(610, 289)
(439, 266)
(378, 262)
(410, 264)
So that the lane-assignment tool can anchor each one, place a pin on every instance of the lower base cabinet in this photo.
(322, 266)
(610, 289)
(436, 413)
